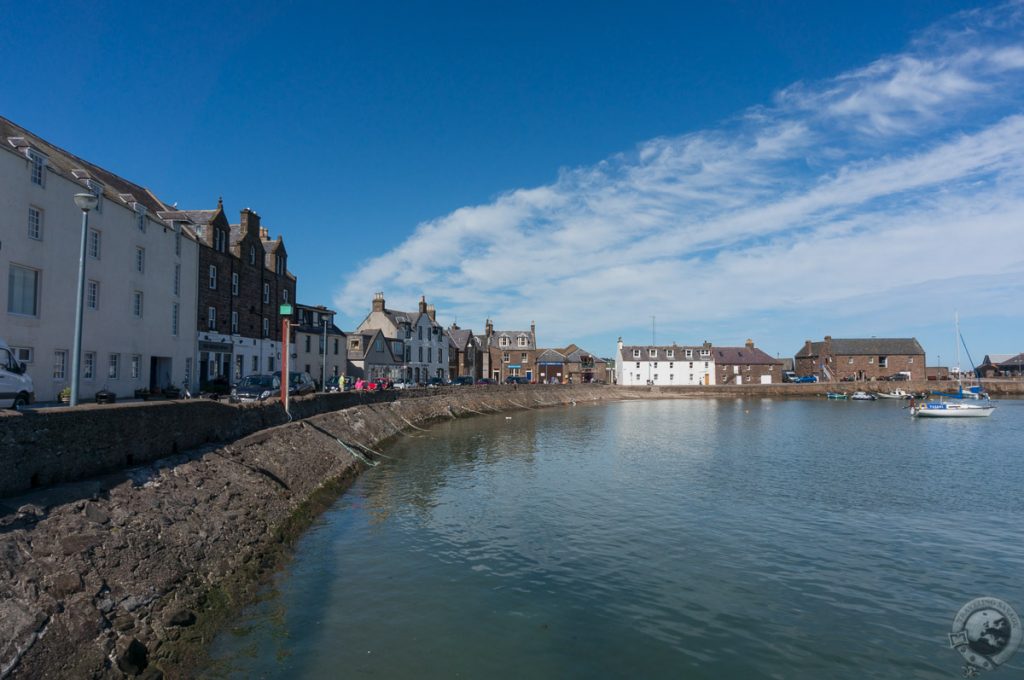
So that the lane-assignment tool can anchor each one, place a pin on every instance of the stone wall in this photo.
(131, 573)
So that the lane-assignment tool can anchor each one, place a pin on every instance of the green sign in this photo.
(286, 310)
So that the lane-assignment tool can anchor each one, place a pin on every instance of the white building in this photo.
(664, 365)
(426, 344)
(139, 316)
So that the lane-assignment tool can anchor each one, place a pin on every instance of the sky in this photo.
(680, 172)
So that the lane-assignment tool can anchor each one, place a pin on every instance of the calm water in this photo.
(660, 539)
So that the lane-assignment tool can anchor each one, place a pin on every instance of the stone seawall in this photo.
(129, 574)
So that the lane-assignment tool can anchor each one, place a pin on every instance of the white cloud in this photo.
(847, 197)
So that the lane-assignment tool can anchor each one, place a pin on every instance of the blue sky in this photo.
(774, 170)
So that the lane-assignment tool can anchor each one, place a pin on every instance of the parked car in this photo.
(435, 382)
(790, 376)
(16, 389)
(463, 380)
(335, 383)
(807, 379)
(256, 388)
(404, 385)
(899, 376)
(299, 383)
(484, 381)
(516, 380)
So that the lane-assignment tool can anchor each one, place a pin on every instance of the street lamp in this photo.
(323, 380)
(85, 203)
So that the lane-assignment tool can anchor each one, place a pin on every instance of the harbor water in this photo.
(691, 538)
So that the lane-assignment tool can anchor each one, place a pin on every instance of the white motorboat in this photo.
(862, 396)
(894, 394)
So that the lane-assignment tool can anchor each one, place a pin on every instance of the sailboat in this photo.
(971, 404)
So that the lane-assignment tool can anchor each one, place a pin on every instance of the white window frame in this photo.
(177, 279)
(114, 366)
(652, 353)
(37, 170)
(234, 322)
(88, 365)
(140, 218)
(140, 260)
(96, 189)
(252, 254)
(211, 318)
(92, 294)
(213, 277)
(234, 283)
(284, 295)
(35, 223)
(23, 355)
(136, 365)
(636, 354)
(174, 319)
(137, 304)
(266, 327)
(95, 243)
(36, 276)
(60, 364)
(523, 341)
(266, 293)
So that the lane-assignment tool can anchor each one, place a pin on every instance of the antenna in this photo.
(654, 334)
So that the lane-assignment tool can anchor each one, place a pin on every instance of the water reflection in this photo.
(695, 538)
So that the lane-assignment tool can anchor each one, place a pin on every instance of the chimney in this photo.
(619, 346)
(488, 329)
(431, 312)
(264, 234)
(423, 304)
(828, 338)
(378, 302)
(533, 329)
(807, 346)
(454, 326)
(750, 344)
(706, 345)
(249, 220)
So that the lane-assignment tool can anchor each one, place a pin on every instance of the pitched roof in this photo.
(864, 346)
(531, 342)
(661, 353)
(742, 355)
(995, 359)
(551, 356)
(460, 336)
(18, 140)
(575, 354)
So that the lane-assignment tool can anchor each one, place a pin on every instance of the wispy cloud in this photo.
(841, 199)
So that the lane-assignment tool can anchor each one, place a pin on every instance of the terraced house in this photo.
(424, 340)
(138, 324)
(243, 280)
(745, 365)
(665, 365)
(509, 353)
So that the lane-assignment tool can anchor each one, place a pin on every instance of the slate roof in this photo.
(574, 354)
(117, 189)
(864, 347)
(513, 336)
(996, 359)
(551, 356)
(626, 353)
(460, 337)
(742, 355)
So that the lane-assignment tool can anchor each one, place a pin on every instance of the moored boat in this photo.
(894, 394)
(836, 395)
(862, 396)
(951, 409)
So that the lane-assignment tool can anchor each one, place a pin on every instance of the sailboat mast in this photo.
(956, 342)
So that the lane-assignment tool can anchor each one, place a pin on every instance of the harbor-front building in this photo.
(745, 365)
(139, 298)
(318, 346)
(664, 365)
(861, 358)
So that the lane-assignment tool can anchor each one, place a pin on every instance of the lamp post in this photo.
(85, 203)
(323, 380)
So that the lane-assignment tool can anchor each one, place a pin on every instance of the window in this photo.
(255, 363)
(174, 318)
(671, 364)
(211, 318)
(705, 352)
(35, 223)
(378, 345)
(238, 366)
(266, 293)
(636, 354)
(505, 357)
(503, 342)
(188, 370)
(270, 364)
(94, 244)
(177, 239)
(213, 277)
(88, 365)
(671, 376)
(23, 354)
(140, 218)
(38, 161)
(850, 360)
(871, 360)
(522, 341)
(266, 328)
(177, 279)
(92, 294)
(252, 254)
(140, 260)
(60, 364)
(234, 322)
(96, 189)
(421, 355)
(284, 295)
(23, 291)
(336, 346)
(655, 364)
(883, 362)
(114, 366)
(670, 353)
(524, 356)
(638, 364)
(430, 354)
(655, 376)
(308, 339)
(910, 360)
(419, 332)
(652, 353)
(136, 365)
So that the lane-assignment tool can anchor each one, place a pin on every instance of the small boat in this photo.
(836, 395)
(862, 396)
(894, 394)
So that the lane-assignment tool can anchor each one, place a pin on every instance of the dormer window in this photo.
(670, 353)
(279, 265)
(636, 354)
(652, 353)
(522, 341)
(38, 161)
(705, 352)
(96, 189)
(503, 341)
(689, 354)
(140, 217)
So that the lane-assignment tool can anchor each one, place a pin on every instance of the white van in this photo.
(16, 388)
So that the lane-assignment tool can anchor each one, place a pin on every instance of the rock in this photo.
(181, 617)
(130, 655)
(63, 584)
(94, 513)
(31, 510)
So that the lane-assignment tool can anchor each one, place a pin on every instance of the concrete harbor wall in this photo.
(131, 573)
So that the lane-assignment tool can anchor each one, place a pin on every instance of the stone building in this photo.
(508, 353)
(861, 358)
(371, 354)
(318, 346)
(424, 340)
(745, 365)
(139, 298)
(243, 281)
(466, 356)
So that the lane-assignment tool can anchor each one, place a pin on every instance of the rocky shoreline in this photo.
(130, 574)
